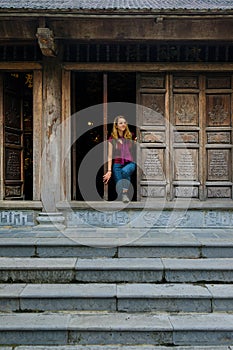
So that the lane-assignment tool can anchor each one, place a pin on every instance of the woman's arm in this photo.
(108, 174)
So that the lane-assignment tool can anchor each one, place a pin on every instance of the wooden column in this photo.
(51, 135)
(66, 137)
(37, 130)
(1, 140)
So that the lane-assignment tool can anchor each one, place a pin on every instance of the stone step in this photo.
(124, 243)
(108, 270)
(116, 297)
(118, 347)
(115, 328)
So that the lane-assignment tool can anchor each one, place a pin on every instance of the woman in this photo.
(120, 157)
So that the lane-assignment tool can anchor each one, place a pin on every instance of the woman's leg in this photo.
(127, 172)
(117, 175)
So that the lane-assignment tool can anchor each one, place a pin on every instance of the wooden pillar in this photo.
(51, 135)
(37, 130)
(66, 137)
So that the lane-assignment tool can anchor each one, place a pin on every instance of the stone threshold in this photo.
(159, 204)
(149, 204)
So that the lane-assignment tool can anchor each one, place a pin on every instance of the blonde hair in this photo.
(127, 133)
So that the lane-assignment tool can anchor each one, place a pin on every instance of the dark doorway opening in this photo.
(93, 89)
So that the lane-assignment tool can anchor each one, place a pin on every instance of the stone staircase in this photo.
(109, 289)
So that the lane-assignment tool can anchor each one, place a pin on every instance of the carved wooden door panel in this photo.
(153, 169)
(185, 152)
(13, 140)
(218, 135)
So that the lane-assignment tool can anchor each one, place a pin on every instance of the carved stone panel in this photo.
(186, 109)
(154, 113)
(153, 136)
(218, 111)
(186, 164)
(219, 165)
(185, 82)
(219, 192)
(152, 164)
(152, 81)
(186, 137)
(219, 82)
(219, 137)
(13, 164)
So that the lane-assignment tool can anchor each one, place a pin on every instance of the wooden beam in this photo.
(144, 29)
(97, 27)
(150, 67)
(20, 66)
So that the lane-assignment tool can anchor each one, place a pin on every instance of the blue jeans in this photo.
(122, 175)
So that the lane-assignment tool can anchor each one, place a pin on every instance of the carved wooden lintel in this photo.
(46, 42)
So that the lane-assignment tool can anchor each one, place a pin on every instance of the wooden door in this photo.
(218, 135)
(13, 140)
(186, 135)
(152, 119)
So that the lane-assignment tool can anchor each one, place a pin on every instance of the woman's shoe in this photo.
(125, 198)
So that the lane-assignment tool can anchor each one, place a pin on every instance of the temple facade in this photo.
(67, 70)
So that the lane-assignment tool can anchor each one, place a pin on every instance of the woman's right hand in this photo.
(107, 177)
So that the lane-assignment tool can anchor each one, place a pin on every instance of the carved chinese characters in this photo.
(152, 164)
(186, 165)
(218, 164)
(13, 164)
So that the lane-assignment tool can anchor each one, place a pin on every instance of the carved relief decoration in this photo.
(12, 191)
(185, 82)
(219, 137)
(186, 192)
(153, 191)
(218, 115)
(154, 113)
(186, 137)
(219, 82)
(152, 81)
(219, 192)
(218, 110)
(152, 136)
(186, 109)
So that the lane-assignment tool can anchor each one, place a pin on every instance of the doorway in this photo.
(92, 124)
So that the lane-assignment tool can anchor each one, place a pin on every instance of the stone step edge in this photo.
(111, 328)
(150, 264)
(113, 321)
(118, 347)
(116, 290)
